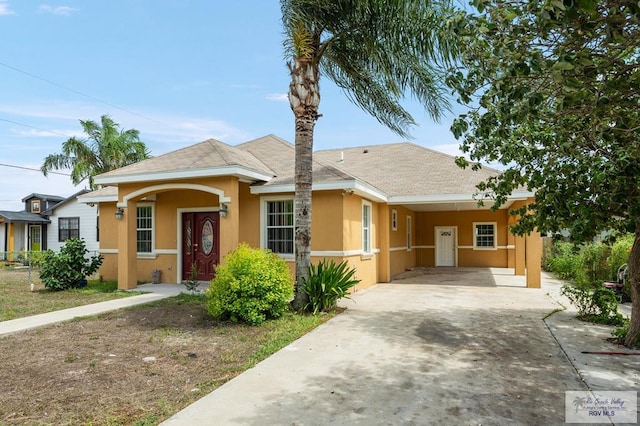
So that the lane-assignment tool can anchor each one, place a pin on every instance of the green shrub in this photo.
(564, 260)
(69, 267)
(599, 305)
(620, 333)
(327, 283)
(594, 268)
(620, 250)
(251, 285)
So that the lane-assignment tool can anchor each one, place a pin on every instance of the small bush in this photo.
(251, 285)
(599, 305)
(620, 250)
(192, 282)
(327, 283)
(564, 260)
(621, 332)
(593, 261)
(69, 267)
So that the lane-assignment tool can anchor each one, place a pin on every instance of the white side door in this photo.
(445, 246)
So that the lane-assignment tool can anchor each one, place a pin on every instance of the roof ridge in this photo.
(345, 172)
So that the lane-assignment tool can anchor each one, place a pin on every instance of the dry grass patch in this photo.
(134, 366)
(17, 300)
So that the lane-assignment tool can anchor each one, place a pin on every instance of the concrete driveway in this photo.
(469, 348)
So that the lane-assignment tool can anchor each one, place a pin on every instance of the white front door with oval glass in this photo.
(445, 246)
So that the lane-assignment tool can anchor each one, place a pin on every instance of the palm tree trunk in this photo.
(304, 97)
(633, 335)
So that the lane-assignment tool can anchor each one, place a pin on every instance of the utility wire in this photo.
(33, 169)
(53, 83)
(32, 127)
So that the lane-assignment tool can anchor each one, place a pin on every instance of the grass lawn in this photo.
(135, 366)
(17, 300)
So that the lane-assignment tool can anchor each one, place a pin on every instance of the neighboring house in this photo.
(71, 219)
(46, 222)
(27, 229)
(384, 208)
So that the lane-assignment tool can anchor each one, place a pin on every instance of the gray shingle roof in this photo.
(22, 217)
(46, 197)
(279, 155)
(406, 169)
(209, 154)
(397, 170)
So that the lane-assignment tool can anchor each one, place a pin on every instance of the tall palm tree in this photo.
(377, 51)
(106, 148)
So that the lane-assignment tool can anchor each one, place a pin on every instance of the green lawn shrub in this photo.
(251, 285)
(68, 268)
(328, 282)
(594, 268)
(564, 260)
(595, 304)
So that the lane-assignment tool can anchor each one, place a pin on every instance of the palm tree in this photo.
(106, 148)
(377, 51)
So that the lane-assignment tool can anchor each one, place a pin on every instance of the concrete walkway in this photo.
(476, 351)
(154, 292)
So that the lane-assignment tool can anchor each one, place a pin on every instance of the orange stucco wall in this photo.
(463, 221)
(401, 256)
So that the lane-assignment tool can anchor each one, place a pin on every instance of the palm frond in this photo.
(379, 52)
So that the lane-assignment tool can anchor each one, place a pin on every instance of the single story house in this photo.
(383, 208)
(46, 222)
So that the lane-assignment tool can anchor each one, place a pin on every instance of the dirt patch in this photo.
(136, 365)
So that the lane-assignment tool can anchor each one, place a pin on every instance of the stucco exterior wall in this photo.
(467, 255)
(402, 254)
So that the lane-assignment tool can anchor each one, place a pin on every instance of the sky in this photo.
(179, 71)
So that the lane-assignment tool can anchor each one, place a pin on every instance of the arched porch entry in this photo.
(183, 221)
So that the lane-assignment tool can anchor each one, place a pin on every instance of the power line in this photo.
(53, 83)
(32, 169)
(32, 127)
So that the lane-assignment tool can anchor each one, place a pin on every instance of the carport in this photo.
(453, 231)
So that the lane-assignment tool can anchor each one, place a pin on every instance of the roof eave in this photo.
(350, 186)
(241, 172)
(452, 198)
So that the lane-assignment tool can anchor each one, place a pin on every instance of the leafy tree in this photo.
(376, 51)
(106, 148)
(554, 89)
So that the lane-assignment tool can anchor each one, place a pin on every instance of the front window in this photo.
(35, 206)
(366, 227)
(68, 227)
(484, 235)
(279, 230)
(144, 229)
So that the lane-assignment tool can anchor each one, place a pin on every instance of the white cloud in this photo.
(4, 9)
(25, 182)
(57, 10)
(279, 97)
(54, 133)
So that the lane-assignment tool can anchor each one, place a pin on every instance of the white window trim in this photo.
(263, 222)
(394, 219)
(409, 234)
(152, 253)
(366, 251)
(495, 236)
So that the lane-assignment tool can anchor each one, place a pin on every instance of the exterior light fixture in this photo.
(223, 210)
(119, 213)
